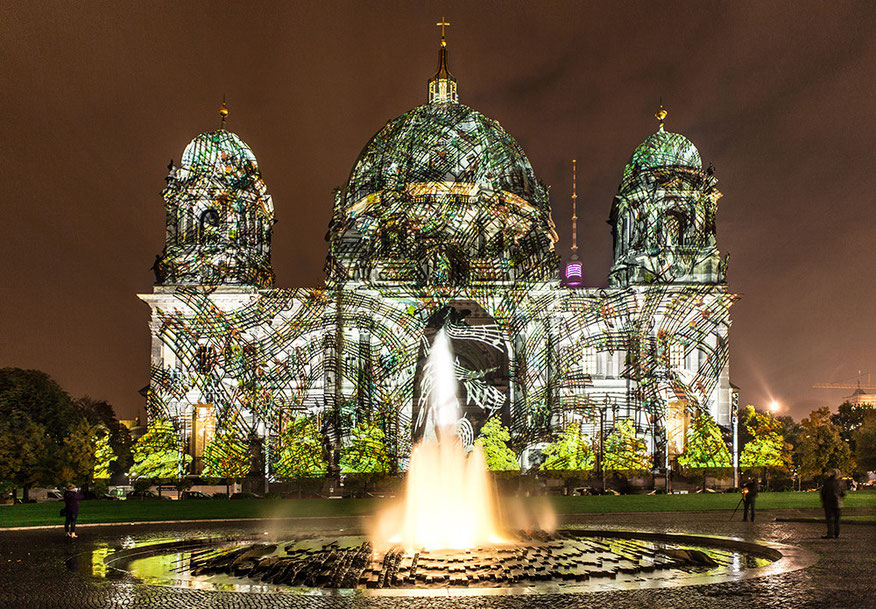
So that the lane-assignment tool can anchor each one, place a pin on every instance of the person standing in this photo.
(749, 494)
(832, 493)
(71, 510)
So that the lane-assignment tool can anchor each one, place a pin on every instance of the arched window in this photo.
(675, 228)
(207, 223)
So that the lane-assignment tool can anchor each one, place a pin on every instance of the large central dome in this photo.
(442, 196)
(444, 144)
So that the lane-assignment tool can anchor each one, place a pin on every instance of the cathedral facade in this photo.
(442, 224)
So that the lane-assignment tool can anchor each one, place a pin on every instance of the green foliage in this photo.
(704, 447)
(865, 441)
(624, 450)
(300, 451)
(25, 448)
(366, 452)
(849, 417)
(48, 438)
(77, 455)
(104, 455)
(101, 413)
(35, 394)
(820, 446)
(493, 441)
(183, 484)
(227, 456)
(100, 487)
(158, 454)
(570, 451)
(767, 446)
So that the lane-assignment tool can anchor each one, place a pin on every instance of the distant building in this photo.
(135, 428)
(861, 398)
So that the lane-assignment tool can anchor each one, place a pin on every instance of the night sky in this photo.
(96, 98)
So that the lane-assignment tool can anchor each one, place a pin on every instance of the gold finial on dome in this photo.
(661, 115)
(223, 114)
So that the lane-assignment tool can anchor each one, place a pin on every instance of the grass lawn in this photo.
(135, 511)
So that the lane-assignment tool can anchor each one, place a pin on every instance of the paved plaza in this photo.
(37, 568)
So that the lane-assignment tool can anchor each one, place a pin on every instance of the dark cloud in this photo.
(777, 95)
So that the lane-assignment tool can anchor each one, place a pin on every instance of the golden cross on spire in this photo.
(443, 23)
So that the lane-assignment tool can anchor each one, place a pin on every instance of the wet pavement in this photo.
(37, 568)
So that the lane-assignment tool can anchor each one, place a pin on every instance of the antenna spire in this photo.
(574, 206)
(574, 274)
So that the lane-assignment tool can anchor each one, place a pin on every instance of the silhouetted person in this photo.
(749, 494)
(71, 510)
(832, 494)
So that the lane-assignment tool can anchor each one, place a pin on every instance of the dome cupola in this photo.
(219, 216)
(663, 217)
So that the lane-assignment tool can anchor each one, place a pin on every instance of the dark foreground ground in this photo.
(34, 571)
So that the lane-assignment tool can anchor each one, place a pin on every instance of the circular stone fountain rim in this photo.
(786, 558)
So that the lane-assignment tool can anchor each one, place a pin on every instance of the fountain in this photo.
(448, 500)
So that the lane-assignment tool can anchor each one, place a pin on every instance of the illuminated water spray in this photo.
(448, 499)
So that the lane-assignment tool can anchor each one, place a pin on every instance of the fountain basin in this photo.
(567, 561)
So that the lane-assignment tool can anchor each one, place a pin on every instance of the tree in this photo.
(158, 454)
(300, 451)
(227, 457)
(865, 442)
(35, 394)
(182, 485)
(704, 447)
(767, 446)
(705, 452)
(849, 417)
(624, 450)
(36, 417)
(25, 452)
(366, 452)
(104, 455)
(101, 413)
(570, 451)
(77, 455)
(493, 441)
(820, 446)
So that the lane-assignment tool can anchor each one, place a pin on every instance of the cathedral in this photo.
(442, 223)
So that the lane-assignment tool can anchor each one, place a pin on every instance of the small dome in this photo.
(444, 143)
(663, 149)
(218, 151)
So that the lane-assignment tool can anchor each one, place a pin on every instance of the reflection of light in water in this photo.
(448, 497)
(98, 554)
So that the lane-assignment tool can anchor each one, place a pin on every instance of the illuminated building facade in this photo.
(442, 223)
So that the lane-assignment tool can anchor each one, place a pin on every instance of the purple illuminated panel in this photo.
(574, 274)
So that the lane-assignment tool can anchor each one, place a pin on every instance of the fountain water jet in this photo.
(449, 501)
